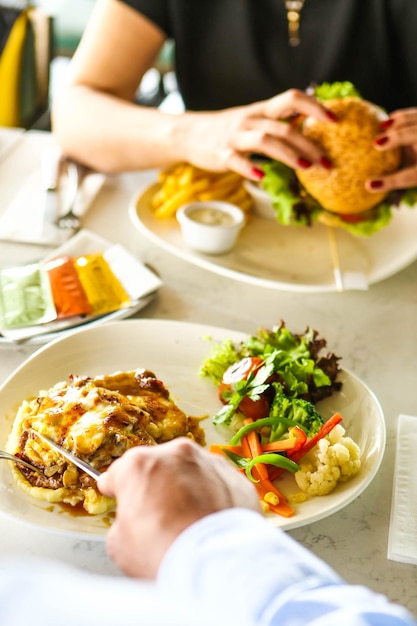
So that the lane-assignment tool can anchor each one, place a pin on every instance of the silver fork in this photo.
(15, 459)
(71, 221)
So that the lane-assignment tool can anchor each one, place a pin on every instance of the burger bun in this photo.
(348, 144)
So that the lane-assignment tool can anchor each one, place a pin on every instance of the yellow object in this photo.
(11, 61)
(25, 68)
(271, 498)
(104, 291)
(183, 183)
(264, 506)
(298, 497)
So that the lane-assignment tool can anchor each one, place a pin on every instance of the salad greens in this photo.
(293, 368)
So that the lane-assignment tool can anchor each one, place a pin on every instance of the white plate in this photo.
(174, 351)
(146, 283)
(290, 258)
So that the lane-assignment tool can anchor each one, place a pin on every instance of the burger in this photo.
(337, 196)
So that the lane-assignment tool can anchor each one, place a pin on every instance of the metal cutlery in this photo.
(15, 459)
(50, 170)
(71, 221)
(83, 465)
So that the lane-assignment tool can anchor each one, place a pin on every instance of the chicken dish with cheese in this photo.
(97, 419)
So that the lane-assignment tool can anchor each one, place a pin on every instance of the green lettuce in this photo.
(296, 358)
(328, 91)
(289, 206)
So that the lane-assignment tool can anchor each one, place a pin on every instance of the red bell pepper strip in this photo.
(324, 430)
(309, 444)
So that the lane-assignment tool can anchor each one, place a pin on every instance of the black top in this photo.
(231, 52)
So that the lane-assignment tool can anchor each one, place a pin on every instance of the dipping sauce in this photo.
(211, 217)
(210, 227)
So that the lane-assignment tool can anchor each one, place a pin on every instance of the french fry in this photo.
(219, 192)
(187, 194)
(183, 183)
(237, 196)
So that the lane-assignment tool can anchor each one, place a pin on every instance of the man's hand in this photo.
(160, 491)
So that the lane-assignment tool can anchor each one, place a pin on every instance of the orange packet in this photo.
(104, 291)
(67, 291)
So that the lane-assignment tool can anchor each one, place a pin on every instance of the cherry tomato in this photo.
(241, 370)
(255, 409)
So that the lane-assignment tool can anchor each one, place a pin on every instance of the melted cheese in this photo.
(98, 419)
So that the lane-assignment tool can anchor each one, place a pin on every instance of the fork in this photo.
(15, 459)
(71, 221)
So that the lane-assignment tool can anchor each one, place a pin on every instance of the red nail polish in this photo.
(376, 184)
(381, 141)
(386, 124)
(258, 173)
(304, 163)
(332, 116)
(326, 163)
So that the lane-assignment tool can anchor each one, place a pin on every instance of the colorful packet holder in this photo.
(86, 279)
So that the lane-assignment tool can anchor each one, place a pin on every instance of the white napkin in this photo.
(402, 539)
(23, 220)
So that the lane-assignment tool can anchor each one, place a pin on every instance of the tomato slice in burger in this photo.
(255, 409)
(352, 218)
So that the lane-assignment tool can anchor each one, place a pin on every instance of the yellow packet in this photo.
(104, 291)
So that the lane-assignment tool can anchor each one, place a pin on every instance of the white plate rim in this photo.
(377, 274)
(180, 331)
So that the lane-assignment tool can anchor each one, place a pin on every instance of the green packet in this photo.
(25, 296)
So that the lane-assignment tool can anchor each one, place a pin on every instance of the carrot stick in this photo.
(294, 442)
(220, 448)
(254, 448)
(282, 508)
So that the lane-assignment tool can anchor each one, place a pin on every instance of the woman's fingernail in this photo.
(381, 141)
(386, 124)
(332, 116)
(376, 184)
(326, 163)
(304, 163)
(258, 173)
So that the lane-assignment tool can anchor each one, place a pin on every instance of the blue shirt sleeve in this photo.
(236, 562)
(228, 568)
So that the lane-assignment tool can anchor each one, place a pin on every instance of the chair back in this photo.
(25, 57)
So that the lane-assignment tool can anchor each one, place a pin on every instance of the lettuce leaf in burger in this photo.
(338, 196)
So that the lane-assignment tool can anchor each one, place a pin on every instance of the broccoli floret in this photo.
(301, 412)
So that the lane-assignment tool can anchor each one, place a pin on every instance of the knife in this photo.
(50, 167)
(83, 465)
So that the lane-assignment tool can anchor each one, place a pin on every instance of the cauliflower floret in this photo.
(334, 459)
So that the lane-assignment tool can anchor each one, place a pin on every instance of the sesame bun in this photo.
(348, 143)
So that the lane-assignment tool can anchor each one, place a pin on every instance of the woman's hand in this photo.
(399, 130)
(226, 139)
(160, 491)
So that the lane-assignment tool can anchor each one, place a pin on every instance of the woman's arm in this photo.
(97, 122)
(94, 116)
